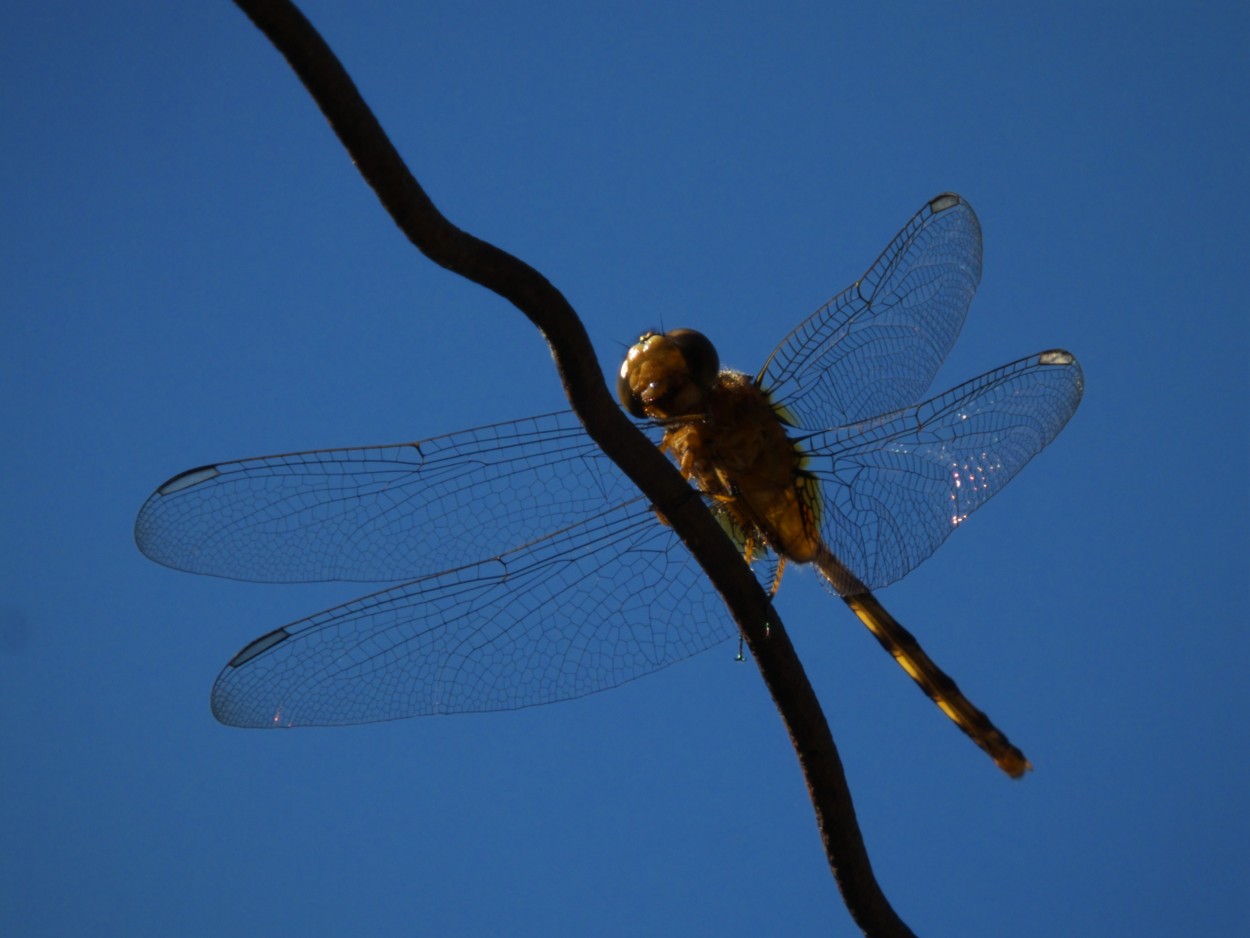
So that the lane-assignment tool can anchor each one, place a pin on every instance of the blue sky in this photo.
(194, 272)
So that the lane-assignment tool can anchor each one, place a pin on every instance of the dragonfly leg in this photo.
(781, 568)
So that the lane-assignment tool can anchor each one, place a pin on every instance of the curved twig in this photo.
(462, 253)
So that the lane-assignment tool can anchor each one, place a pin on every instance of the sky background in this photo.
(193, 271)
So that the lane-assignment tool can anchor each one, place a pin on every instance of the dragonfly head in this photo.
(668, 374)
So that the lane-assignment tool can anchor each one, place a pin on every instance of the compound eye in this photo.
(625, 392)
(702, 361)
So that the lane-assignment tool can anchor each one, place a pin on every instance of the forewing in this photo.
(591, 607)
(382, 513)
(876, 347)
(894, 488)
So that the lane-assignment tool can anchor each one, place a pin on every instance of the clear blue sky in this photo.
(193, 271)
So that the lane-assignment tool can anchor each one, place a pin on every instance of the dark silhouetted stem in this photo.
(461, 253)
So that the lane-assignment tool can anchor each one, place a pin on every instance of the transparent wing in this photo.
(894, 488)
(877, 346)
(590, 607)
(383, 513)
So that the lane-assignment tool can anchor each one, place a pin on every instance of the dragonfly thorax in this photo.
(737, 452)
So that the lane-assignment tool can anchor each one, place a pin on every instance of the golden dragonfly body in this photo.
(729, 440)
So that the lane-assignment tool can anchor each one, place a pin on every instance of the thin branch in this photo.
(514, 280)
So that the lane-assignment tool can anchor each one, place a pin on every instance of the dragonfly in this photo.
(525, 568)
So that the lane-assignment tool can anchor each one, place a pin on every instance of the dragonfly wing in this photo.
(381, 513)
(877, 346)
(590, 607)
(894, 488)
